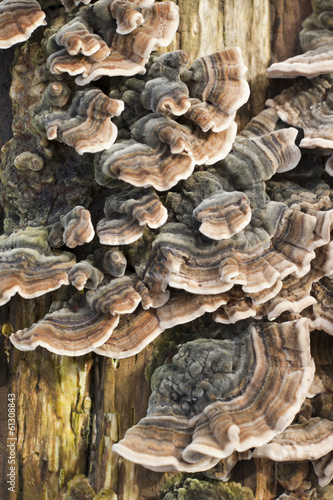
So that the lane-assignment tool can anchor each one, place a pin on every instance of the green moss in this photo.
(106, 495)
(188, 487)
(79, 489)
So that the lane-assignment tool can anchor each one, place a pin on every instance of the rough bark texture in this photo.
(71, 410)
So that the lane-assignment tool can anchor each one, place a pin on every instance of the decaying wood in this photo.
(71, 410)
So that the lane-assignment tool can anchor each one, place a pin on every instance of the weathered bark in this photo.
(71, 410)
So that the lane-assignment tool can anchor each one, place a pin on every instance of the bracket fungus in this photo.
(67, 332)
(160, 150)
(85, 124)
(308, 105)
(127, 213)
(79, 327)
(28, 265)
(217, 87)
(78, 228)
(18, 19)
(218, 396)
(316, 41)
(308, 441)
(85, 275)
(309, 437)
(223, 215)
(164, 92)
(114, 263)
(238, 234)
(132, 334)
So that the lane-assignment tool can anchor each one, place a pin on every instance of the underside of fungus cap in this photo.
(218, 396)
(18, 19)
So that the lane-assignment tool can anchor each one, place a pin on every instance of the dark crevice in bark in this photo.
(6, 60)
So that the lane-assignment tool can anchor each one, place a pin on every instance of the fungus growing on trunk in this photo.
(115, 52)
(18, 19)
(308, 105)
(161, 151)
(78, 228)
(85, 275)
(85, 124)
(218, 396)
(127, 212)
(28, 265)
(308, 441)
(316, 41)
(310, 437)
(240, 228)
(67, 332)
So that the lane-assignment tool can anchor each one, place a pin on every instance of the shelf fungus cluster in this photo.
(316, 40)
(221, 396)
(126, 185)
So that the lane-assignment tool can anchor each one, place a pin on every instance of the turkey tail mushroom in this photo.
(218, 396)
(317, 43)
(18, 19)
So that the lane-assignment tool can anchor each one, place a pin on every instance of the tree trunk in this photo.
(69, 411)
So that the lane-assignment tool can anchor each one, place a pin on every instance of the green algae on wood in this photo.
(190, 487)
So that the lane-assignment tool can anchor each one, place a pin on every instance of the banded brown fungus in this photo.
(18, 19)
(218, 396)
